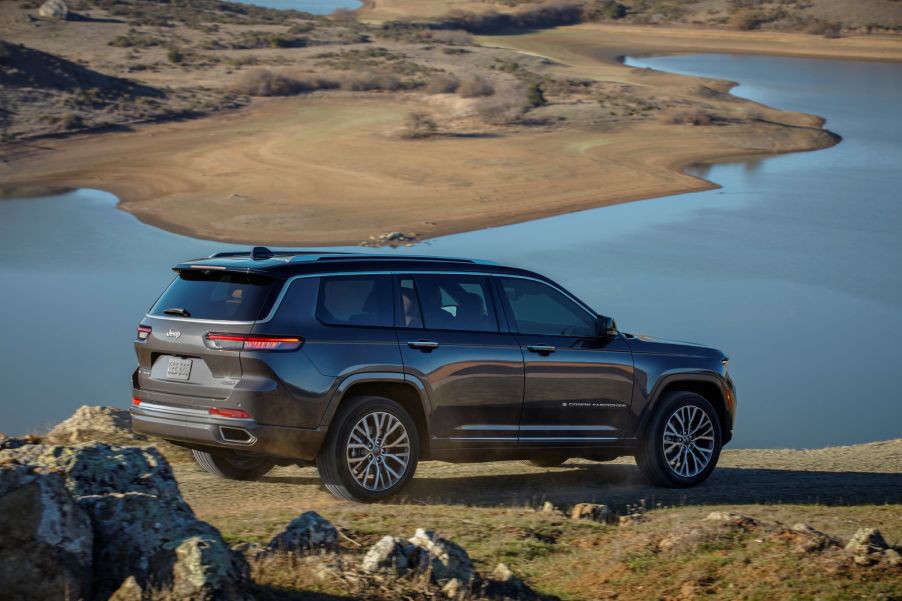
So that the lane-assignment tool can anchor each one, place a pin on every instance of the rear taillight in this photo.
(232, 413)
(144, 332)
(247, 342)
(136, 400)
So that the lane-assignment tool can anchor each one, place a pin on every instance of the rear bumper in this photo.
(193, 426)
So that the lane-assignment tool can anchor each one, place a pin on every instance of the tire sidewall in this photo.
(655, 435)
(345, 421)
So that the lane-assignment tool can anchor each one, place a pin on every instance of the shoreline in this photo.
(174, 197)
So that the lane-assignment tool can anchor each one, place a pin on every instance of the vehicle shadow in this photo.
(620, 485)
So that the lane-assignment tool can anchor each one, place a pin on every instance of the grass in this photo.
(675, 553)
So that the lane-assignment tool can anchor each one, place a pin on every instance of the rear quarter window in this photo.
(359, 300)
(225, 296)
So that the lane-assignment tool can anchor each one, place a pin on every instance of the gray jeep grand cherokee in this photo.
(365, 364)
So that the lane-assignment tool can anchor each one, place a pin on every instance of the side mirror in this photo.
(605, 326)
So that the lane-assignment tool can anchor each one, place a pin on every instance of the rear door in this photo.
(454, 341)
(176, 363)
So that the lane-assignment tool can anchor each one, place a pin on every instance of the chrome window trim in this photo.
(278, 302)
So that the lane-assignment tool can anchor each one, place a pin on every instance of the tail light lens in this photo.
(136, 400)
(249, 342)
(144, 332)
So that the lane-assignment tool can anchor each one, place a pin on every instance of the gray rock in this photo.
(424, 552)
(45, 550)
(590, 511)
(866, 546)
(810, 539)
(142, 526)
(502, 573)
(95, 424)
(446, 560)
(733, 519)
(54, 9)
(394, 555)
(307, 532)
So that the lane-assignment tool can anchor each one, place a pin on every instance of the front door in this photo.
(578, 385)
(452, 342)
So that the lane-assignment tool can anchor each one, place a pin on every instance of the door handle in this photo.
(423, 345)
(542, 349)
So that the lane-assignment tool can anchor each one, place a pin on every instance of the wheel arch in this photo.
(394, 386)
(706, 385)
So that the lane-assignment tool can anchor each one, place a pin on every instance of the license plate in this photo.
(178, 369)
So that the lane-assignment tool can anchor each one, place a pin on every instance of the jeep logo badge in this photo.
(173, 334)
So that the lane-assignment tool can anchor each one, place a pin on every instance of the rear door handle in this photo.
(423, 345)
(542, 349)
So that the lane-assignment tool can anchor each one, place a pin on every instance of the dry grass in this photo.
(418, 125)
(442, 83)
(475, 86)
(264, 82)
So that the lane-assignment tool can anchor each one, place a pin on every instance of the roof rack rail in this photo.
(394, 257)
(277, 253)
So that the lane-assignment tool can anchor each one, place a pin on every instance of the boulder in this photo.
(45, 550)
(590, 511)
(142, 527)
(733, 519)
(866, 546)
(809, 539)
(424, 552)
(549, 507)
(54, 9)
(446, 560)
(307, 532)
(95, 424)
(395, 555)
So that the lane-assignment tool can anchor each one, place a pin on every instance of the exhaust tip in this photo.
(236, 435)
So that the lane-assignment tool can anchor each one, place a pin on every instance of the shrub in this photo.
(72, 121)
(535, 97)
(419, 125)
(263, 82)
(453, 37)
(474, 87)
(508, 105)
(364, 82)
(745, 20)
(442, 83)
(685, 116)
(601, 10)
(175, 56)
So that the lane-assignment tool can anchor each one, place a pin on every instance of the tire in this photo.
(232, 468)
(678, 461)
(550, 461)
(377, 472)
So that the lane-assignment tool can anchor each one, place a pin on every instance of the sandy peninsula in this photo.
(334, 168)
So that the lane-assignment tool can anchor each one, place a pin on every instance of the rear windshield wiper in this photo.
(177, 311)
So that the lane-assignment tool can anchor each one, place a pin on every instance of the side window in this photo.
(540, 309)
(410, 305)
(359, 300)
(454, 302)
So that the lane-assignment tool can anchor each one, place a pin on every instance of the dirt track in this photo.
(851, 475)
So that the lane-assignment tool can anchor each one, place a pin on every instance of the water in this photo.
(316, 7)
(792, 268)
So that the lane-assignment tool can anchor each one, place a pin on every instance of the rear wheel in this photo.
(682, 442)
(232, 467)
(371, 451)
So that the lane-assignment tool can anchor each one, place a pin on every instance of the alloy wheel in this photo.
(378, 451)
(688, 441)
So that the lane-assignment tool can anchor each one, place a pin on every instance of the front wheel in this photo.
(231, 467)
(681, 444)
(371, 451)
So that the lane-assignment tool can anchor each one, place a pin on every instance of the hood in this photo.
(658, 346)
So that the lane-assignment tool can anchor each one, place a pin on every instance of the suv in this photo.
(366, 364)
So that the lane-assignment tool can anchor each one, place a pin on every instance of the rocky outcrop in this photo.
(47, 542)
(142, 528)
(95, 424)
(54, 9)
(736, 520)
(590, 511)
(309, 532)
(424, 552)
(868, 547)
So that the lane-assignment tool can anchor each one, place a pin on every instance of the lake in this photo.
(792, 268)
(316, 7)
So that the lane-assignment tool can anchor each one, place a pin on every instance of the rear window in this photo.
(364, 300)
(217, 295)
